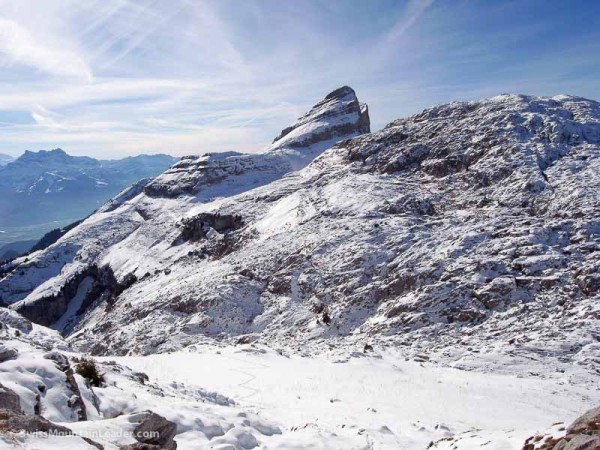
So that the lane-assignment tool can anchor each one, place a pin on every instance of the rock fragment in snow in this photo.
(153, 432)
(9, 400)
(7, 353)
(582, 434)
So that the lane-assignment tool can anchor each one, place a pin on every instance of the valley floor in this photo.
(376, 401)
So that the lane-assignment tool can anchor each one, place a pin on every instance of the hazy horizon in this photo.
(117, 78)
(118, 157)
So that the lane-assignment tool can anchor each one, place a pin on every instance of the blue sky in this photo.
(113, 78)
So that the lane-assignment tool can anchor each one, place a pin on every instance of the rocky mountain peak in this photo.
(50, 159)
(339, 114)
(40, 154)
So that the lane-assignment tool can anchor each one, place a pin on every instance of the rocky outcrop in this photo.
(48, 310)
(16, 422)
(75, 402)
(9, 318)
(196, 228)
(583, 434)
(587, 423)
(341, 114)
(7, 353)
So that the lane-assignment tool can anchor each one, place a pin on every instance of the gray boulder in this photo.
(153, 432)
(16, 422)
(579, 442)
(9, 318)
(9, 400)
(582, 434)
(7, 353)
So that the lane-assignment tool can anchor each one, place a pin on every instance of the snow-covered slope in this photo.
(463, 237)
(466, 233)
(46, 403)
(239, 398)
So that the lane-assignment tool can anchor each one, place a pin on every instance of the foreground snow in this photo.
(376, 402)
(250, 396)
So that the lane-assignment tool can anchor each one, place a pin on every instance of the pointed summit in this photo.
(339, 115)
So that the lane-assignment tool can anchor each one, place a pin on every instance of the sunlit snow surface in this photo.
(378, 401)
(249, 396)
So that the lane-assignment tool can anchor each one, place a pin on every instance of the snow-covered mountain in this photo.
(463, 237)
(5, 159)
(42, 190)
(473, 222)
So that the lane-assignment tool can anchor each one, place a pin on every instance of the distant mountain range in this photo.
(5, 159)
(43, 190)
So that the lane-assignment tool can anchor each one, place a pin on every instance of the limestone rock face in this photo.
(339, 114)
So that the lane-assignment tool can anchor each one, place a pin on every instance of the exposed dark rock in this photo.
(578, 442)
(76, 401)
(582, 434)
(587, 423)
(93, 443)
(9, 400)
(7, 353)
(140, 446)
(154, 431)
(17, 422)
(14, 320)
(196, 228)
(495, 292)
(47, 310)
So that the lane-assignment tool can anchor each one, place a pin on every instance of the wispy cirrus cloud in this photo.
(414, 10)
(115, 77)
(19, 46)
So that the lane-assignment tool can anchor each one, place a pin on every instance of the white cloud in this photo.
(414, 10)
(20, 46)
